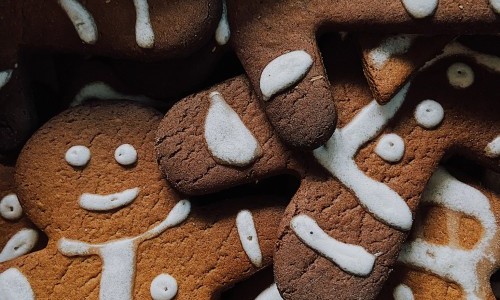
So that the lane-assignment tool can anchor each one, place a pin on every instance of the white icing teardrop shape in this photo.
(493, 148)
(19, 244)
(429, 114)
(271, 293)
(460, 75)
(179, 213)
(397, 44)
(82, 20)
(390, 147)
(96, 202)
(15, 286)
(283, 72)
(5, 77)
(403, 292)
(420, 8)
(10, 208)
(352, 259)
(144, 34)
(222, 33)
(228, 139)
(163, 287)
(495, 5)
(248, 237)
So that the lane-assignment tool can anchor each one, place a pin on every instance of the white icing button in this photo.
(228, 139)
(283, 72)
(248, 237)
(126, 154)
(222, 33)
(397, 44)
(5, 77)
(420, 8)
(14, 285)
(271, 293)
(163, 287)
(353, 259)
(495, 5)
(82, 20)
(402, 292)
(429, 114)
(77, 156)
(460, 75)
(390, 147)
(144, 34)
(10, 208)
(95, 202)
(493, 148)
(19, 244)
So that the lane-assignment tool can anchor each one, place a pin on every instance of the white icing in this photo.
(228, 139)
(126, 154)
(248, 237)
(495, 5)
(453, 263)
(397, 44)
(390, 147)
(5, 77)
(403, 292)
(119, 256)
(493, 148)
(338, 153)
(222, 33)
(163, 287)
(10, 208)
(77, 156)
(420, 8)
(283, 72)
(271, 293)
(353, 259)
(19, 244)
(460, 75)
(429, 114)
(14, 285)
(82, 20)
(144, 34)
(96, 202)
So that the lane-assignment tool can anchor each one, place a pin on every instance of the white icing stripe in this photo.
(493, 148)
(429, 114)
(390, 147)
(338, 154)
(420, 8)
(460, 75)
(228, 139)
(5, 77)
(403, 292)
(144, 34)
(19, 244)
(283, 72)
(222, 33)
(14, 285)
(454, 264)
(10, 208)
(271, 293)
(163, 287)
(353, 259)
(248, 237)
(397, 44)
(95, 202)
(82, 20)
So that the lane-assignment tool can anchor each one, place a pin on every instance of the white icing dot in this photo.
(403, 292)
(14, 285)
(495, 5)
(271, 293)
(228, 139)
(82, 20)
(223, 32)
(460, 75)
(19, 244)
(429, 114)
(5, 77)
(163, 287)
(397, 44)
(77, 156)
(493, 148)
(390, 147)
(10, 208)
(96, 202)
(283, 72)
(248, 237)
(144, 34)
(126, 154)
(420, 8)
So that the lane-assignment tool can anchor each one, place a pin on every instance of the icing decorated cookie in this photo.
(116, 230)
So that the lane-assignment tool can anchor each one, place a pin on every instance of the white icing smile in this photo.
(96, 202)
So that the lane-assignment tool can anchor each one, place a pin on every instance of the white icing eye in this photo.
(460, 75)
(429, 114)
(10, 208)
(126, 155)
(78, 156)
(163, 287)
(391, 147)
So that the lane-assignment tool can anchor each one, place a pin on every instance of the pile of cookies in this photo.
(215, 149)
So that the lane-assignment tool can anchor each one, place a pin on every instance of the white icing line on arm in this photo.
(10, 208)
(460, 75)
(177, 215)
(403, 292)
(337, 156)
(144, 34)
(353, 259)
(390, 147)
(21, 243)
(398, 44)
(163, 287)
(14, 285)
(271, 293)
(420, 8)
(95, 202)
(82, 20)
(493, 148)
(222, 33)
(248, 237)
(429, 114)
(5, 77)
(283, 72)
(228, 139)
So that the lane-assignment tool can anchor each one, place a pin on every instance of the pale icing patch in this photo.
(5, 77)
(460, 75)
(77, 156)
(390, 147)
(271, 293)
(222, 33)
(398, 44)
(119, 256)
(163, 287)
(403, 292)
(337, 156)
(495, 5)
(10, 208)
(283, 72)
(19, 244)
(14, 285)
(429, 114)
(126, 154)
(248, 237)
(82, 20)
(454, 264)
(228, 139)
(420, 8)
(144, 34)
(493, 148)
(96, 202)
